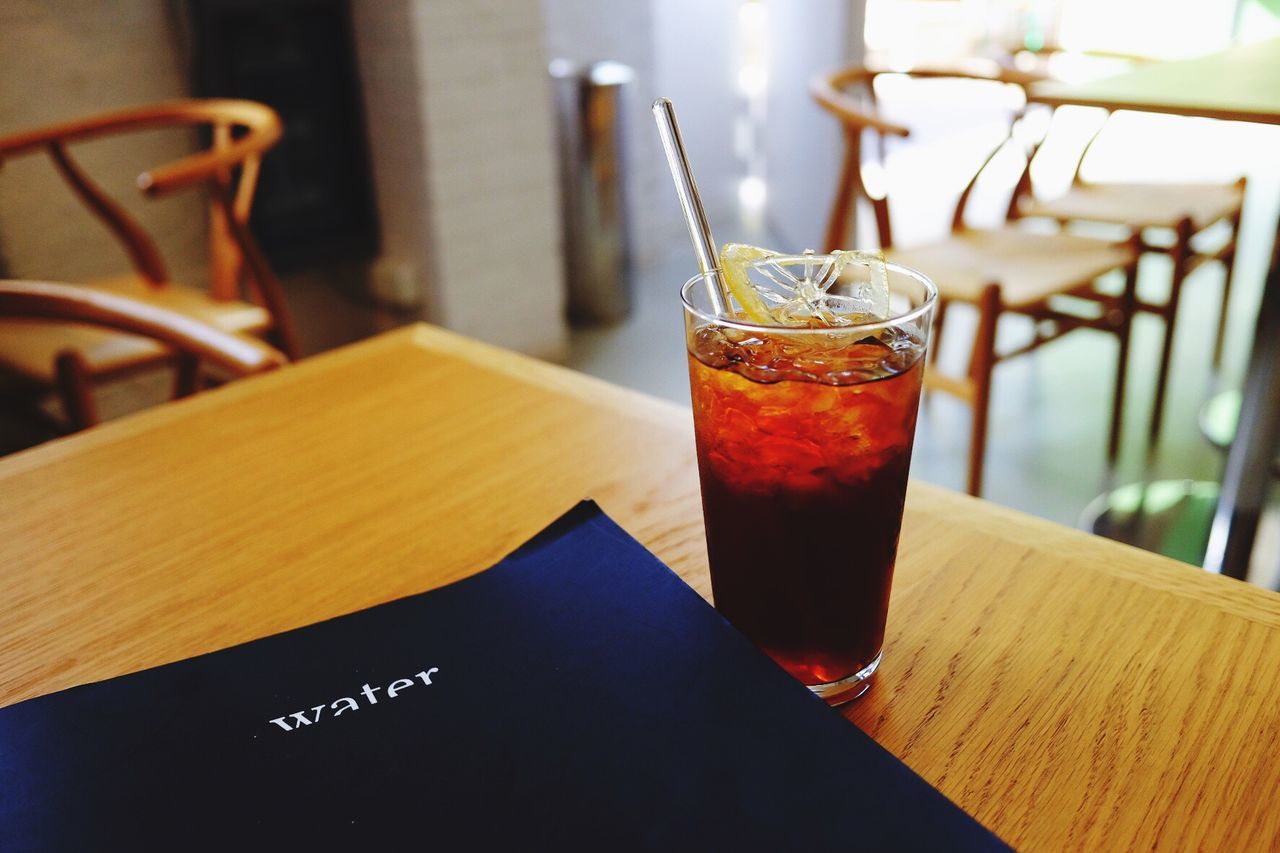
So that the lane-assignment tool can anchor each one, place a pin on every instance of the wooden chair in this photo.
(68, 358)
(999, 271)
(1179, 216)
(190, 340)
(1187, 212)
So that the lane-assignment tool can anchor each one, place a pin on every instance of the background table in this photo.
(1241, 84)
(1068, 691)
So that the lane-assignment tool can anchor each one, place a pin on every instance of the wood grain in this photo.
(1069, 692)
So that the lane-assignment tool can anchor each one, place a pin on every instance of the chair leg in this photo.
(842, 207)
(1228, 276)
(76, 390)
(186, 377)
(266, 284)
(980, 366)
(22, 403)
(1181, 255)
(1124, 325)
(935, 342)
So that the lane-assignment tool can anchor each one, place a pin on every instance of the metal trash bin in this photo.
(590, 102)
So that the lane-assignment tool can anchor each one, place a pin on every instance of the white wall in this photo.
(803, 143)
(696, 69)
(697, 61)
(387, 56)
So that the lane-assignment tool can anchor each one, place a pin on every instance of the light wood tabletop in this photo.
(1067, 691)
(1241, 83)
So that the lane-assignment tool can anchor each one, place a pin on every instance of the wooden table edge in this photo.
(1037, 95)
(1095, 553)
(553, 377)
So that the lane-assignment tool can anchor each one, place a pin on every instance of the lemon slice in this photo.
(880, 285)
(734, 260)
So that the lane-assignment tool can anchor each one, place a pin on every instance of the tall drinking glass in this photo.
(804, 439)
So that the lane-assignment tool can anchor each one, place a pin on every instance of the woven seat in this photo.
(185, 340)
(1141, 205)
(1028, 267)
(30, 347)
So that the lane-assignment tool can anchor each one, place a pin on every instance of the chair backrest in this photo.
(850, 95)
(240, 354)
(241, 132)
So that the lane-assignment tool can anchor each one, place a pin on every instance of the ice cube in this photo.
(795, 290)
(800, 287)
(869, 295)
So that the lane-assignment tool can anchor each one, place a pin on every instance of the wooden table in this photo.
(1241, 84)
(1238, 84)
(1067, 691)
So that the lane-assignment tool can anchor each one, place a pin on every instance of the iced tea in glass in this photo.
(804, 438)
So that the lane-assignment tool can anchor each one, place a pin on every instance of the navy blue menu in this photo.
(576, 695)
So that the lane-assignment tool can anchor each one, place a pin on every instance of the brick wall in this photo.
(461, 132)
(76, 58)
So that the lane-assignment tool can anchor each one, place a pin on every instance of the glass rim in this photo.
(931, 297)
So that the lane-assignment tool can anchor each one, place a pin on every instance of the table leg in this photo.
(1248, 472)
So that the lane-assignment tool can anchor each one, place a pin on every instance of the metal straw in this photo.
(691, 203)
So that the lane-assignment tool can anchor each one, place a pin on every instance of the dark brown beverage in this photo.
(804, 444)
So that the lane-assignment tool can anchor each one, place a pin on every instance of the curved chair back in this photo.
(241, 132)
(849, 94)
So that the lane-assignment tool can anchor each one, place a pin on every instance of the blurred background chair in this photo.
(1192, 223)
(47, 354)
(179, 336)
(1048, 278)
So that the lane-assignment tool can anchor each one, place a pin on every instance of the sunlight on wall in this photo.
(1132, 147)
(1258, 20)
(753, 87)
(1161, 29)
(908, 31)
